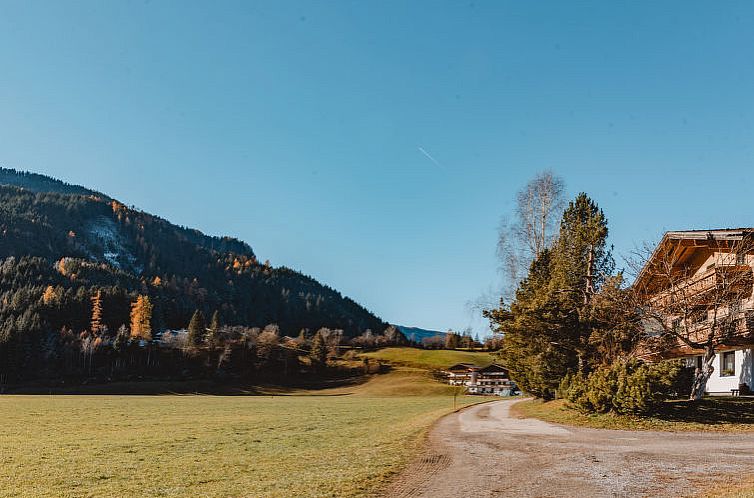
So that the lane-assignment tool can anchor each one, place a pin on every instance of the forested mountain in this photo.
(61, 244)
(416, 334)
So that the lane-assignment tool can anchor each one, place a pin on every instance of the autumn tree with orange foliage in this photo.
(141, 318)
(49, 295)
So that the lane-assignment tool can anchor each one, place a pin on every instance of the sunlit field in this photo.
(343, 442)
(430, 358)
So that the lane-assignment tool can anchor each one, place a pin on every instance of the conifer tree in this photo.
(96, 323)
(581, 262)
(196, 329)
(141, 318)
(529, 348)
(318, 352)
(211, 337)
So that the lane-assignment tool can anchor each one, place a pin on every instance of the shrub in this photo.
(625, 387)
(635, 390)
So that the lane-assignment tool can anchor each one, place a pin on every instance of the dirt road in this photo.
(482, 451)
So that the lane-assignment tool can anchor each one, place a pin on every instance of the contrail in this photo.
(429, 156)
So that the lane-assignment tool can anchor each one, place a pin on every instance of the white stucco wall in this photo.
(744, 373)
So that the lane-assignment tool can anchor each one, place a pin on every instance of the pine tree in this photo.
(96, 323)
(318, 352)
(141, 318)
(121, 339)
(529, 326)
(581, 262)
(196, 329)
(211, 337)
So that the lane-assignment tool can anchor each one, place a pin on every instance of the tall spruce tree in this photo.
(96, 323)
(581, 262)
(196, 329)
(529, 327)
(318, 352)
(211, 337)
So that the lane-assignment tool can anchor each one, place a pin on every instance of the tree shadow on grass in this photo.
(709, 411)
(263, 387)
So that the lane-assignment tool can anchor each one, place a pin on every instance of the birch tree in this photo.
(532, 228)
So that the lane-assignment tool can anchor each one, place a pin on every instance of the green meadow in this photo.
(346, 441)
(430, 359)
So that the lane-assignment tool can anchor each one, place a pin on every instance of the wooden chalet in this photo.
(490, 380)
(710, 273)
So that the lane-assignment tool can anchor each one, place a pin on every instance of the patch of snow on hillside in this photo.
(109, 242)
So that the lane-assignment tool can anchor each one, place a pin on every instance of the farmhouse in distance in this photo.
(490, 380)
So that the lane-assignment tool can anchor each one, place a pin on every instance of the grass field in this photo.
(345, 441)
(711, 414)
(429, 359)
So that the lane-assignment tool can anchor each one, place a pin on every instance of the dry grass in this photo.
(337, 442)
(710, 415)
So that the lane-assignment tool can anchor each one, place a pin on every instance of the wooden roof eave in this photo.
(689, 239)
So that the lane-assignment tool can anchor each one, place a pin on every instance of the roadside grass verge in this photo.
(432, 359)
(727, 490)
(709, 415)
(346, 441)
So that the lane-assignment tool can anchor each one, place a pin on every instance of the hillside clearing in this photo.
(343, 442)
(432, 359)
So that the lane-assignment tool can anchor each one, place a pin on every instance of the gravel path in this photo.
(482, 451)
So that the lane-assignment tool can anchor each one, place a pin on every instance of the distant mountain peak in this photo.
(416, 334)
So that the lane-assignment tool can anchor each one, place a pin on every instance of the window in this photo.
(694, 362)
(728, 364)
(740, 258)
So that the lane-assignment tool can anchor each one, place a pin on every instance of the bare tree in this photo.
(538, 205)
(695, 306)
(533, 227)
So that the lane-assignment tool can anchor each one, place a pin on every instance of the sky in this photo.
(376, 145)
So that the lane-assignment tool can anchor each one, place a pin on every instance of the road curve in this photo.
(482, 451)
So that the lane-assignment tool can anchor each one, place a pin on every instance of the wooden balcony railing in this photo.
(715, 284)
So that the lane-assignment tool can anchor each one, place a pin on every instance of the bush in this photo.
(626, 387)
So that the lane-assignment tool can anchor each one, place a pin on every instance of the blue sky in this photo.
(299, 126)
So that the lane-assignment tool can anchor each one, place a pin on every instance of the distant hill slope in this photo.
(430, 359)
(77, 241)
(416, 334)
(41, 183)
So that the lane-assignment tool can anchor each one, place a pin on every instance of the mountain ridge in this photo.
(417, 334)
(99, 241)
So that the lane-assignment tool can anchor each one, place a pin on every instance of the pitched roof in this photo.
(685, 242)
(494, 368)
(462, 366)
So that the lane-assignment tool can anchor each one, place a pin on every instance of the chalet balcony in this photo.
(737, 332)
(713, 286)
